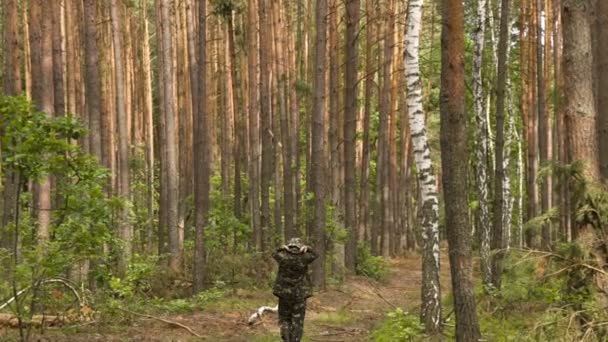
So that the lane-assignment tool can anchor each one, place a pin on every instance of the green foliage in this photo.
(371, 266)
(34, 147)
(224, 8)
(399, 326)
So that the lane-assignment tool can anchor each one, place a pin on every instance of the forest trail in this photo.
(346, 312)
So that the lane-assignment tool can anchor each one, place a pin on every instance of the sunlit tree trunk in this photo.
(431, 291)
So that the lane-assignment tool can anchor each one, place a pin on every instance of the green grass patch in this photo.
(335, 318)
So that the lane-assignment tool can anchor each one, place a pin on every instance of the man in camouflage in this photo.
(293, 287)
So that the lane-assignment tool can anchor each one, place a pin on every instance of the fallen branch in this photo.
(43, 282)
(172, 323)
(258, 314)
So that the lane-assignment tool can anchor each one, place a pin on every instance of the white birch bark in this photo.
(481, 150)
(431, 297)
(507, 211)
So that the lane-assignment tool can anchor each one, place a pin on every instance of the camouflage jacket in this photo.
(293, 281)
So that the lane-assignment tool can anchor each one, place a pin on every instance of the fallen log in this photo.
(260, 312)
(11, 321)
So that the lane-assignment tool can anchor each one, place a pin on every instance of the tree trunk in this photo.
(318, 129)
(125, 229)
(481, 148)
(169, 166)
(202, 148)
(41, 44)
(254, 124)
(454, 165)
(92, 79)
(431, 291)
(602, 72)
(498, 240)
(580, 105)
(350, 128)
(544, 123)
(58, 58)
(363, 205)
(12, 87)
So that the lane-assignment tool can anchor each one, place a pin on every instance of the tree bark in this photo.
(580, 105)
(125, 229)
(431, 291)
(318, 129)
(602, 73)
(350, 128)
(41, 44)
(454, 165)
(254, 123)
(12, 87)
(92, 79)
(481, 148)
(498, 240)
(202, 141)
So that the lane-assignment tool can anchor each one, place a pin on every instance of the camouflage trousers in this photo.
(291, 319)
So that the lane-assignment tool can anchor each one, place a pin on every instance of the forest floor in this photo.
(349, 311)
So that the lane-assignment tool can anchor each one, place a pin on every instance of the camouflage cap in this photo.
(295, 242)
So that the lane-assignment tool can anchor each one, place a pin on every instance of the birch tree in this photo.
(431, 291)
(481, 148)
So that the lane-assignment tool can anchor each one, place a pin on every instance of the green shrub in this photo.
(374, 267)
(399, 326)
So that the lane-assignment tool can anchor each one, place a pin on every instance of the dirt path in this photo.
(346, 312)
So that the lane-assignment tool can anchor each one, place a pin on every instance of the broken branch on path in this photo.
(260, 312)
(172, 323)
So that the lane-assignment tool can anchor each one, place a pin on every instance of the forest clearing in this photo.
(373, 170)
(348, 312)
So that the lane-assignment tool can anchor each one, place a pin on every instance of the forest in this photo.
(445, 160)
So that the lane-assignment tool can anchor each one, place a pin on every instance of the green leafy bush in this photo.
(399, 326)
(371, 266)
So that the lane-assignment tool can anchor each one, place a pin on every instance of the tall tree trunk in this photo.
(363, 205)
(384, 140)
(602, 72)
(149, 124)
(125, 229)
(580, 105)
(481, 148)
(202, 148)
(254, 123)
(41, 43)
(169, 166)
(12, 87)
(543, 121)
(318, 164)
(58, 57)
(350, 128)
(498, 241)
(454, 165)
(431, 291)
(265, 117)
(92, 79)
